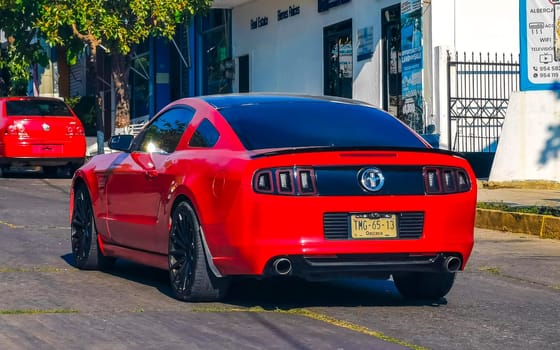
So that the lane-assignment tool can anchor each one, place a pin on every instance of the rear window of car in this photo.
(37, 108)
(325, 124)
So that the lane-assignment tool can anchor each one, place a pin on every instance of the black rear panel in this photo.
(344, 181)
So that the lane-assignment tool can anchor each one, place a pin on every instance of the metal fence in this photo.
(479, 87)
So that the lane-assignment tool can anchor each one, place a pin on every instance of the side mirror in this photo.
(120, 142)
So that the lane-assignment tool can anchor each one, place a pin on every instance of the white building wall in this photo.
(287, 56)
(476, 25)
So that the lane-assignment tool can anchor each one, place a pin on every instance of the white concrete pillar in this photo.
(529, 145)
(441, 98)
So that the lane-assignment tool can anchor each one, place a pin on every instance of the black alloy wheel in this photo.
(83, 234)
(189, 274)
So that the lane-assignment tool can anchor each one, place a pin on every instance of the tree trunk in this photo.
(120, 71)
(94, 86)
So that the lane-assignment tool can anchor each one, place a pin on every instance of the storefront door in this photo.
(392, 72)
(338, 59)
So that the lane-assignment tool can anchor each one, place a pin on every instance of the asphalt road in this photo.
(508, 298)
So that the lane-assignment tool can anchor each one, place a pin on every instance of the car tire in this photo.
(424, 285)
(83, 235)
(190, 277)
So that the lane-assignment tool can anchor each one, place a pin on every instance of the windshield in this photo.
(317, 123)
(37, 108)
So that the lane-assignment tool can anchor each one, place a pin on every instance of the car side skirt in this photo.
(138, 256)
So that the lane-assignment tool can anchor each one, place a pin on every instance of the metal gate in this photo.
(478, 90)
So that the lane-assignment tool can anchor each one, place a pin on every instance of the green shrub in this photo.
(530, 209)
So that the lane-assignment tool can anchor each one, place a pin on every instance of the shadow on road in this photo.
(282, 293)
(35, 173)
(289, 293)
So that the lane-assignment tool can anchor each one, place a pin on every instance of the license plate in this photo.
(373, 225)
(47, 149)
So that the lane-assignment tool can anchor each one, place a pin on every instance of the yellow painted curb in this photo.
(551, 227)
(544, 226)
(528, 184)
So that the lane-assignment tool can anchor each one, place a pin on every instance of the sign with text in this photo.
(539, 27)
(365, 43)
(412, 64)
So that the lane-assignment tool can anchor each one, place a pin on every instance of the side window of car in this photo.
(205, 135)
(164, 133)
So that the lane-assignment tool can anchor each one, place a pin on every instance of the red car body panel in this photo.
(37, 139)
(133, 196)
(246, 229)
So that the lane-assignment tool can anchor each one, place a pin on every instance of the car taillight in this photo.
(262, 182)
(287, 181)
(306, 181)
(284, 181)
(74, 129)
(443, 180)
(16, 129)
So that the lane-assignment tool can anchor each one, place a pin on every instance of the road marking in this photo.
(38, 311)
(33, 227)
(9, 225)
(34, 269)
(319, 317)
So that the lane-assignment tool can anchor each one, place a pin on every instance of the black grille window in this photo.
(31, 108)
(205, 135)
(317, 123)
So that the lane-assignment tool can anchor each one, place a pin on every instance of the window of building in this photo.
(338, 59)
(180, 63)
(215, 52)
(392, 72)
(140, 82)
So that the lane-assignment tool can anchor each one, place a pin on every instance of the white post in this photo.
(441, 98)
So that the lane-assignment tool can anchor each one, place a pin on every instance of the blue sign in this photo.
(412, 63)
(539, 33)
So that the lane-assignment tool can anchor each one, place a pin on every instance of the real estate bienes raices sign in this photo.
(412, 63)
(539, 27)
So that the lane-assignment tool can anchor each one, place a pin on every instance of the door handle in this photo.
(152, 173)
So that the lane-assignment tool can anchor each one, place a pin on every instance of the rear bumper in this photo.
(71, 153)
(360, 265)
(251, 237)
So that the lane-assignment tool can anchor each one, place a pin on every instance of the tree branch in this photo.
(89, 39)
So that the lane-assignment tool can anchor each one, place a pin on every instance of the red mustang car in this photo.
(40, 131)
(266, 185)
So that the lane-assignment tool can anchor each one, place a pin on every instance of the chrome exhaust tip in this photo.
(282, 266)
(452, 264)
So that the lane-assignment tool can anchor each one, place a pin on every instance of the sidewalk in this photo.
(544, 226)
(518, 196)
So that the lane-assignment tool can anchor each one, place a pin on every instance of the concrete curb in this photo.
(543, 226)
(528, 184)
